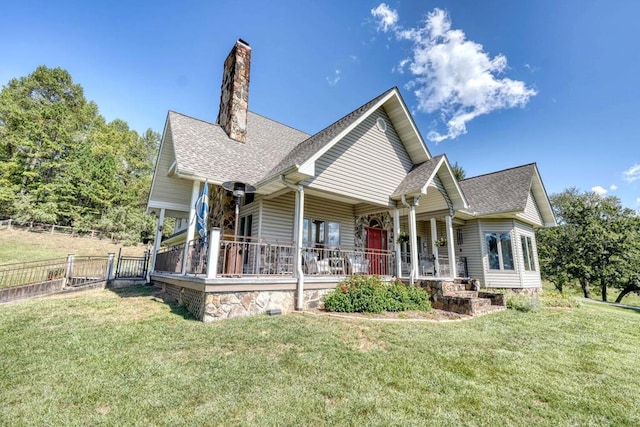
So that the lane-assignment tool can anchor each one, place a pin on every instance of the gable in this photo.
(366, 164)
(168, 191)
(531, 212)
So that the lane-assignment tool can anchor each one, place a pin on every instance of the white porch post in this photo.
(396, 243)
(191, 229)
(434, 247)
(298, 220)
(413, 236)
(298, 247)
(214, 253)
(156, 243)
(450, 246)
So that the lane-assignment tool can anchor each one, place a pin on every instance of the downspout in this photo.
(299, 230)
(412, 236)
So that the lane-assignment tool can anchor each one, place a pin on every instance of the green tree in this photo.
(61, 162)
(596, 242)
(458, 171)
(43, 117)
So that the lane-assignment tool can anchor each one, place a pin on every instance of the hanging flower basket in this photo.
(441, 242)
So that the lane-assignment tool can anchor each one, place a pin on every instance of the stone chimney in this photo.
(234, 92)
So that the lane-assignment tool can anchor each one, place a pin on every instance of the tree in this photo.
(62, 163)
(596, 242)
(458, 171)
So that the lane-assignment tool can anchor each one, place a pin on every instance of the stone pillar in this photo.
(451, 247)
(214, 253)
(434, 247)
(191, 229)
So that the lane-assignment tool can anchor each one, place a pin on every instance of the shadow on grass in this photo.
(155, 293)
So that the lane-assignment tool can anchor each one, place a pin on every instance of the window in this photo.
(527, 253)
(499, 251)
(320, 233)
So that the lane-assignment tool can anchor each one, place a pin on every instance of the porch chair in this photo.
(426, 267)
(357, 264)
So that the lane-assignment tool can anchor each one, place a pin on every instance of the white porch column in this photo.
(214, 253)
(298, 220)
(191, 229)
(450, 246)
(434, 247)
(156, 243)
(413, 238)
(396, 243)
(298, 247)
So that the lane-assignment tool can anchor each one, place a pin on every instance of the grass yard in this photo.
(574, 290)
(22, 245)
(124, 357)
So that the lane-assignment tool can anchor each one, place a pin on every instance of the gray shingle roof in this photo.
(503, 191)
(306, 149)
(205, 150)
(417, 177)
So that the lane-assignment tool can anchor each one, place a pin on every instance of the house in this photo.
(291, 214)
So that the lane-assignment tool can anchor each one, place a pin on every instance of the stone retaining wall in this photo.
(212, 306)
(30, 291)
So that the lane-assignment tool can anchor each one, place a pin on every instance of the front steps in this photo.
(462, 296)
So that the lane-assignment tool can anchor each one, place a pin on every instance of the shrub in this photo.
(522, 302)
(368, 294)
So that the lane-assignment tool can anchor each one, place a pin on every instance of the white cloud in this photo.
(613, 187)
(600, 191)
(632, 174)
(387, 17)
(334, 79)
(638, 201)
(453, 75)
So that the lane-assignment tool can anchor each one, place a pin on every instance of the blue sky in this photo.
(493, 84)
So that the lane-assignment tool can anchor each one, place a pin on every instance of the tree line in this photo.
(62, 163)
(596, 243)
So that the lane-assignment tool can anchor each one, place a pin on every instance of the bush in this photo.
(368, 294)
(522, 302)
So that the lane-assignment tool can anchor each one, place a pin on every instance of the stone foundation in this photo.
(531, 292)
(213, 306)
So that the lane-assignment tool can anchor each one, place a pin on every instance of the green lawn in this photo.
(126, 358)
(22, 245)
(574, 290)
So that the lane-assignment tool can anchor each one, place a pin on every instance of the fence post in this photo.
(9, 226)
(68, 274)
(110, 266)
(214, 253)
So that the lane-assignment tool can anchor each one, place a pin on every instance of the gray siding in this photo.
(167, 189)
(500, 278)
(529, 279)
(471, 248)
(531, 212)
(367, 163)
(277, 217)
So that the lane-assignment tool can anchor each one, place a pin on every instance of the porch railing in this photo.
(169, 259)
(429, 267)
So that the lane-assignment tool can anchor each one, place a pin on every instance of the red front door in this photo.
(377, 245)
